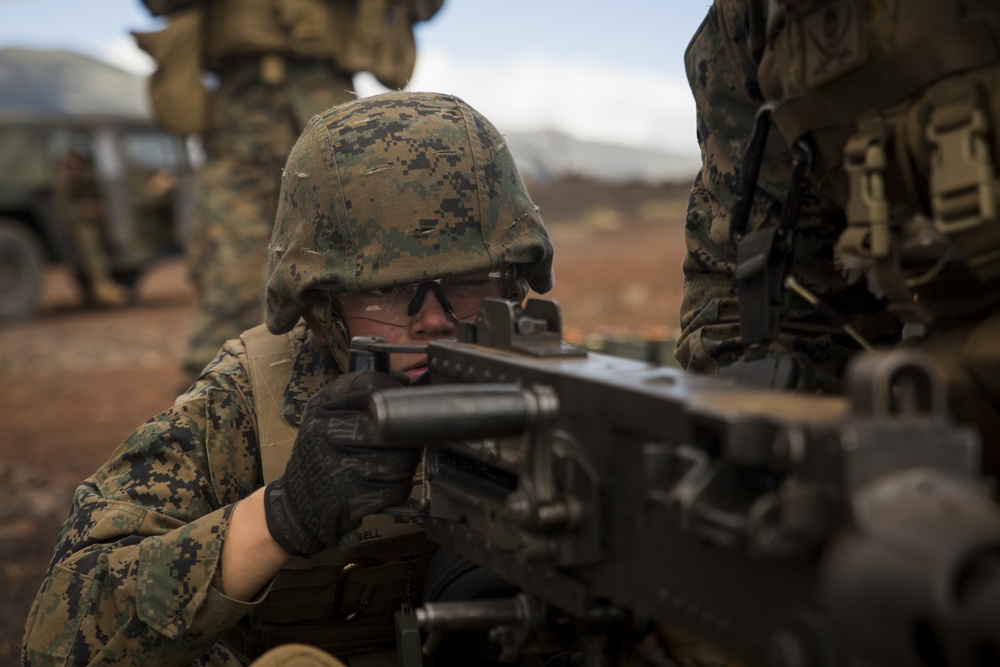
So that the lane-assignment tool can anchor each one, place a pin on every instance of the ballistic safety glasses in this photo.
(460, 296)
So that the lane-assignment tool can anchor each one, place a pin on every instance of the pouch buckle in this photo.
(962, 186)
(867, 207)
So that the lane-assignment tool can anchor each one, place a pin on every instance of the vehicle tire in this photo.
(22, 270)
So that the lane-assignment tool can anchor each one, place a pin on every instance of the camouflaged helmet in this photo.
(395, 189)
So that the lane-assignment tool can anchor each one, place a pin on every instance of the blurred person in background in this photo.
(78, 202)
(272, 65)
(877, 193)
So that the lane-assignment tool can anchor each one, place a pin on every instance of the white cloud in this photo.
(592, 102)
(124, 54)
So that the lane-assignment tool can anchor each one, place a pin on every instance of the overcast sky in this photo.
(600, 71)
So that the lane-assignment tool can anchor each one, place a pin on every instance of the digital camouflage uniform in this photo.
(727, 68)
(136, 578)
(254, 125)
(266, 94)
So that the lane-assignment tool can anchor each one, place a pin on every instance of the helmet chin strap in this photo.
(327, 321)
(339, 344)
(519, 288)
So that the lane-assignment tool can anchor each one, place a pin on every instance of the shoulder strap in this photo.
(270, 365)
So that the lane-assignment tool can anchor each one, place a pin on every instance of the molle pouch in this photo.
(176, 92)
(312, 26)
(380, 40)
(242, 28)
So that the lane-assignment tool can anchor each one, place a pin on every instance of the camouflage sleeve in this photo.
(721, 69)
(721, 63)
(135, 575)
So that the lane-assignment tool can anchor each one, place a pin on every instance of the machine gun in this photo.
(788, 530)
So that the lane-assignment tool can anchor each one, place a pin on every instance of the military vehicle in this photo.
(126, 153)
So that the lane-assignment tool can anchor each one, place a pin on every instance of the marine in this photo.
(871, 218)
(244, 520)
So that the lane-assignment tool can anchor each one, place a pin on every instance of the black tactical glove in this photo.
(335, 477)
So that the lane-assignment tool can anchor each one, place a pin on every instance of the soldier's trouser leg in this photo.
(227, 254)
(254, 126)
(970, 358)
(102, 289)
(296, 655)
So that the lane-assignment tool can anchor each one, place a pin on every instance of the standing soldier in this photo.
(78, 202)
(276, 64)
(877, 194)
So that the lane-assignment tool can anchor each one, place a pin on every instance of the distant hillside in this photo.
(60, 82)
(550, 155)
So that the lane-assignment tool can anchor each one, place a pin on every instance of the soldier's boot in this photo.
(106, 293)
(103, 292)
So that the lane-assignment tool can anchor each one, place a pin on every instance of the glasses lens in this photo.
(466, 293)
(386, 305)
(391, 305)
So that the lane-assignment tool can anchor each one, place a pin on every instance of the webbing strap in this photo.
(270, 365)
(882, 83)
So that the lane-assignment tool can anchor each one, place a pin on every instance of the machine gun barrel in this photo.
(453, 412)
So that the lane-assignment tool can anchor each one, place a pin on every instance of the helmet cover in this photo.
(398, 188)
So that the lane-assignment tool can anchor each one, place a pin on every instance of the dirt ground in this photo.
(75, 382)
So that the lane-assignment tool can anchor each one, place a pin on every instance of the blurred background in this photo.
(594, 71)
(591, 96)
